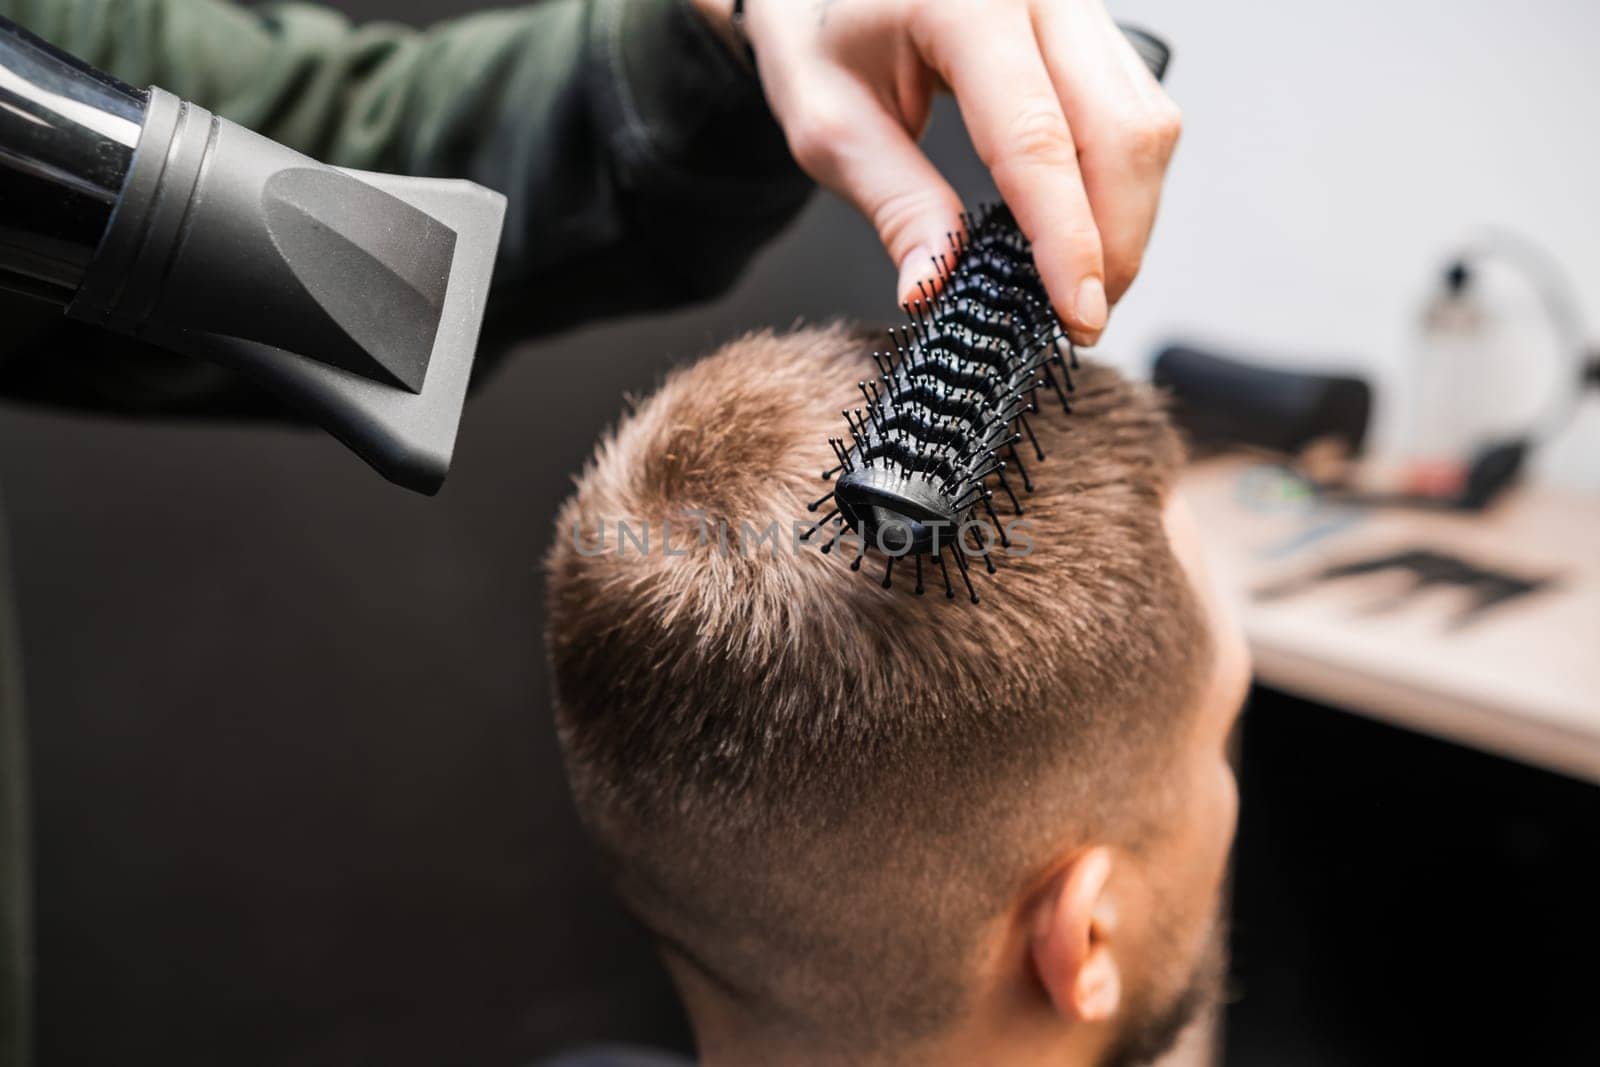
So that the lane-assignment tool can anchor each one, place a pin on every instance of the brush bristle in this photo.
(938, 431)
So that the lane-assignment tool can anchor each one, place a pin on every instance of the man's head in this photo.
(868, 825)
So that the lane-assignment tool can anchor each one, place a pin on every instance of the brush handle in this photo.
(1152, 49)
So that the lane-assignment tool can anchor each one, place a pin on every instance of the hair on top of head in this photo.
(740, 717)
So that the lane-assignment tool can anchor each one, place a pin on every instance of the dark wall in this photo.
(296, 792)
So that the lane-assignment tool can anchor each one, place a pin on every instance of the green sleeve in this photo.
(640, 162)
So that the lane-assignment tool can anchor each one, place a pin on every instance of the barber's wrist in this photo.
(683, 109)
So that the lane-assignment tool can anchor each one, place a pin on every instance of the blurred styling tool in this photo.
(356, 297)
(1421, 571)
(1477, 408)
(1222, 402)
(1501, 367)
(939, 429)
(1484, 396)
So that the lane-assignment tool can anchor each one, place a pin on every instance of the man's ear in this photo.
(1071, 943)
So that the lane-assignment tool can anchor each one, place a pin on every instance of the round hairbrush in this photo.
(938, 433)
(939, 430)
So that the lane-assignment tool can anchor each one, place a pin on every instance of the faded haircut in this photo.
(817, 792)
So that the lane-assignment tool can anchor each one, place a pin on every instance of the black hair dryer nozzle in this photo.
(357, 297)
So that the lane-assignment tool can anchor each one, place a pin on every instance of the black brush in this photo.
(938, 433)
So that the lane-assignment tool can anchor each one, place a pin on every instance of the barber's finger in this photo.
(1124, 123)
(1018, 127)
(847, 141)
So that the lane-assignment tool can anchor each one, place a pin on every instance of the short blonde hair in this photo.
(762, 742)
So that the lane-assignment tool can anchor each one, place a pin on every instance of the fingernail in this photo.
(915, 267)
(1089, 306)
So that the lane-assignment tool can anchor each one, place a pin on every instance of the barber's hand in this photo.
(1070, 122)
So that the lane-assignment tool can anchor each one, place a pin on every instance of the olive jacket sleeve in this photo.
(640, 162)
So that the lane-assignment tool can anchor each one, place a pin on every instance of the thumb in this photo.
(873, 163)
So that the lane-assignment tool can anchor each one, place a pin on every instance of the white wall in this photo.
(1335, 153)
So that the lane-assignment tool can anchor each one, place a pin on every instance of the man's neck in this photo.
(1015, 1040)
(1011, 1023)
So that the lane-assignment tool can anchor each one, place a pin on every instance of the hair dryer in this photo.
(357, 297)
